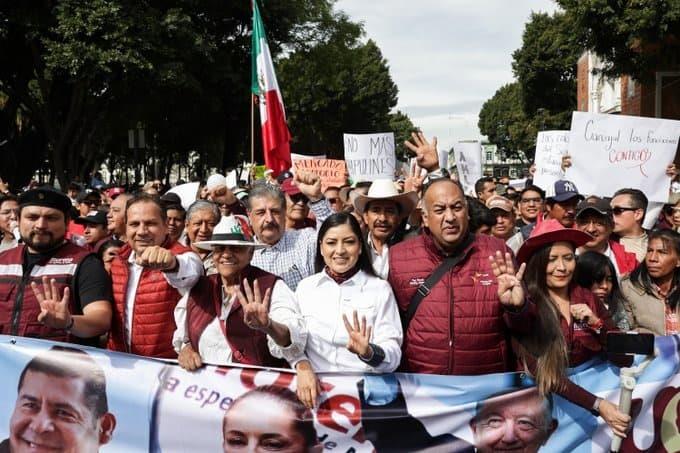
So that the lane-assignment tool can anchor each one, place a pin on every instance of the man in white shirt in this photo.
(150, 276)
(384, 210)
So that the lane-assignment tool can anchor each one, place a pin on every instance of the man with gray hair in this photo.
(517, 421)
(289, 253)
(201, 218)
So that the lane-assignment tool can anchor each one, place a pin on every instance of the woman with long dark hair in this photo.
(350, 314)
(571, 326)
(595, 271)
(652, 291)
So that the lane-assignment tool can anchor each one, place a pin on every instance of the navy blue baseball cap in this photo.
(562, 190)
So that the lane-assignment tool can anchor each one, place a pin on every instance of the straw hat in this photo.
(384, 189)
(232, 230)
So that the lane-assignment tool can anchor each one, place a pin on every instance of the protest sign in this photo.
(333, 173)
(370, 156)
(154, 406)
(294, 156)
(443, 159)
(550, 147)
(186, 192)
(610, 152)
(469, 164)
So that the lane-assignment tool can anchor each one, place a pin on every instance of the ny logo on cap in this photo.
(569, 187)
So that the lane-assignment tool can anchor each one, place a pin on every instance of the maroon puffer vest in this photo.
(249, 346)
(19, 309)
(458, 327)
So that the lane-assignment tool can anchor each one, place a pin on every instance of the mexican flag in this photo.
(275, 134)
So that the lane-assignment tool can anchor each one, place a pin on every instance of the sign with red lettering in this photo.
(610, 152)
(332, 172)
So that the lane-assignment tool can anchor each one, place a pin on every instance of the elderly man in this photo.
(459, 322)
(595, 218)
(289, 254)
(150, 276)
(61, 405)
(297, 207)
(69, 298)
(517, 421)
(502, 210)
(116, 216)
(201, 219)
(384, 210)
(629, 207)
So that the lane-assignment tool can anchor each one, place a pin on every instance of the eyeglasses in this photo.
(618, 210)
(536, 200)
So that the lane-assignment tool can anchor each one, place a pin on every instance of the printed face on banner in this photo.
(610, 152)
(370, 156)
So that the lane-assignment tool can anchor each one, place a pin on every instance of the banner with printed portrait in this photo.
(60, 397)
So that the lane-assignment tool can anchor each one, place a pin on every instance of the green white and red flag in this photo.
(275, 134)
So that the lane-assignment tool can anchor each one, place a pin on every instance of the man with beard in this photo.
(289, 254)
(50, 287)
(384, 210)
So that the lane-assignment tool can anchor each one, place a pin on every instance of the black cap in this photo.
(92, 218)
(170, 199)
(94, 195)
(600, 206)
(283, 176)
(46, 196)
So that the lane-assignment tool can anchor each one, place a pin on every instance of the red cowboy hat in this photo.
(548, 232)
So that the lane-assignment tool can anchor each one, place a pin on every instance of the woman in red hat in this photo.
(571, 325)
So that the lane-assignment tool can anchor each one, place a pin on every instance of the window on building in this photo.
(489, 156)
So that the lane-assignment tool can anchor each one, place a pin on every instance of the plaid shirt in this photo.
(292, 258)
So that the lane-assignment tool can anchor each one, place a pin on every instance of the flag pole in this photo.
(252, 129)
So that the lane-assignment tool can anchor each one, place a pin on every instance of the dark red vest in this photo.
(248, 346)
(19, 309)
(153, 321)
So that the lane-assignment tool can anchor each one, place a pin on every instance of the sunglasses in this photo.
(333, 200)
(618, 210)
(298, 197)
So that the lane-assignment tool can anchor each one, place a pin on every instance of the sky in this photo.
(446, 56)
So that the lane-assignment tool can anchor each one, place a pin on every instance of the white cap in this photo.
(215, 180)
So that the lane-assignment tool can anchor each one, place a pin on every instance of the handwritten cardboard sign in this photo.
(468, 164)
(610, 152)
(370, 156)
(333, 173)
(550, 147)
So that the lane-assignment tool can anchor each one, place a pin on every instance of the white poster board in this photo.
(469, 164)
(443, 159)
(186, 192)
(370, 156)
(550, 147)
(610, 152)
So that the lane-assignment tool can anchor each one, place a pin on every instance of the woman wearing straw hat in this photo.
(242, 313)
(571, 325)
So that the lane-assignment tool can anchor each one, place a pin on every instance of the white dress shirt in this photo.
(187, 274)
(213, 346)
(323, 302)
(381, 261)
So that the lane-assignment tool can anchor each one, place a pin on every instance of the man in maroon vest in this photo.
(464, 320)
(150, 276)
(49, 287)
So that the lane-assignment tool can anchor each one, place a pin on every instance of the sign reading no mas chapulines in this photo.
(610, 152)
(370, 156)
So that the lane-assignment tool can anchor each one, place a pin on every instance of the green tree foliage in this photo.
(402, 127)
(75, 76)
(338, 85)
(632, 37)
(544, 94)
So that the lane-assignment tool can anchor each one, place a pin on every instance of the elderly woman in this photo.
(652, 291)
(571, 325)
(351, 314)
(239, 314)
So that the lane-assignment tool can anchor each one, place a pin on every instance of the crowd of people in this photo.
(411, 275)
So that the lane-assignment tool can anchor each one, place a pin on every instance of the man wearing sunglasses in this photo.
(628, 208)
(297, 209)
